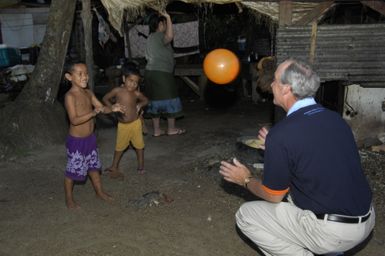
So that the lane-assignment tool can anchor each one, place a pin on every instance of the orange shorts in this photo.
(129, 133)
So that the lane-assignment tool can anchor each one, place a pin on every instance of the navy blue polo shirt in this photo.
(312, 152)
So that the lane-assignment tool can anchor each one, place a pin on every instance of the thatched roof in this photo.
(7, 3)
(116, 8)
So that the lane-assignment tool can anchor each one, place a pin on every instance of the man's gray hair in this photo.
(303, 80)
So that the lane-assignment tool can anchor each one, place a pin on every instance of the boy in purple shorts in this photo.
(82, 152)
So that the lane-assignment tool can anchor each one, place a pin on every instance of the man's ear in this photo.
(68, 76)
(123, 79)
(287, 89)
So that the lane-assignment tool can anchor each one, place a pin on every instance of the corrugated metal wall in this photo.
(351, 53)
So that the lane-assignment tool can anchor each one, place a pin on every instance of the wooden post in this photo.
(285, 19)
(313, 42)
(78, 38)
(285, 12)
(202, 83)
(87, 28)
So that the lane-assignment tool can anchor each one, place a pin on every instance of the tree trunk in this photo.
(36, 118)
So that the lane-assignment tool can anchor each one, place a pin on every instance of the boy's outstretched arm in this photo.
(108, 107)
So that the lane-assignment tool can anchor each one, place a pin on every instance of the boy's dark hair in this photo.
(69, 65)
(130, 68)
(154, 21)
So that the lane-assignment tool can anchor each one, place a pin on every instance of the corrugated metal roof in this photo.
(351, 53)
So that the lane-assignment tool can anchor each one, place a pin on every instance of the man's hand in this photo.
(234, 172)
(262, 133)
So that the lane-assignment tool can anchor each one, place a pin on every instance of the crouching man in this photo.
(311, 159)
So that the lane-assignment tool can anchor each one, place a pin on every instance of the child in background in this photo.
(129, 128)
(82, 152)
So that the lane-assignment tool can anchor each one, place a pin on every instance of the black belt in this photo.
(343, 219)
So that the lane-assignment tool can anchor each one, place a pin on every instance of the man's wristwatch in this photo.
(247, 180)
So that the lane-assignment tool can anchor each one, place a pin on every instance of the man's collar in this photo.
(301, 104)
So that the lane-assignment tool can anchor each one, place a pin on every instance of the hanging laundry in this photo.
(186, 39)
(104, 31)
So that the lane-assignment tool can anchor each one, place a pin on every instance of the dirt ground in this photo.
(199, 220)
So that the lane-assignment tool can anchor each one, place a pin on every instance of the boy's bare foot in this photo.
(71, 204)
(104, 196)
(141, 171)
(114, 173)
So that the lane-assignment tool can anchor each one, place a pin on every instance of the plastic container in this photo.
(9, 56)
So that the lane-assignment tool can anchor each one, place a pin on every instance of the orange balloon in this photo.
(221, 66)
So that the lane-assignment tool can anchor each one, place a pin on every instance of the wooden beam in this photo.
(315, 14)
(285, 12)
(378, 6)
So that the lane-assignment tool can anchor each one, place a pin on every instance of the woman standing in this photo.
(161, 88)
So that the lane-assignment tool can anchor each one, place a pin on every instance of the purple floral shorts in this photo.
(82, 157)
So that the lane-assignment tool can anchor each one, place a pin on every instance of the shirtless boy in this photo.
(82, 152)
(129, 126)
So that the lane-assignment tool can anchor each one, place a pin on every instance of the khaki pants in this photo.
(284, 229)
